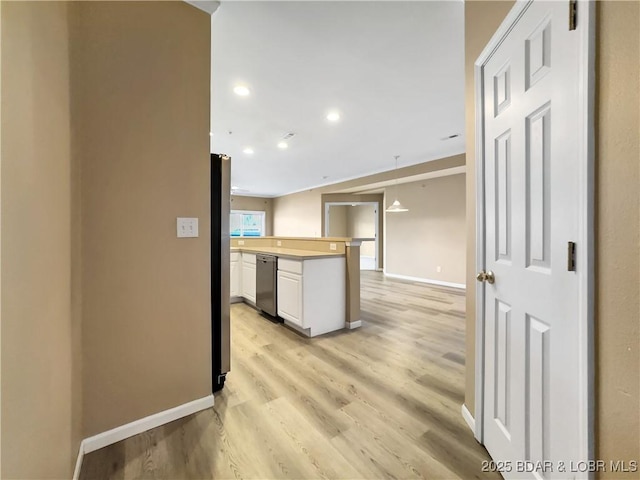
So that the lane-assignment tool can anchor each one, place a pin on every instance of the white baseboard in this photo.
(461, 286)
(466, 414)
(122, 432)
(352, 325)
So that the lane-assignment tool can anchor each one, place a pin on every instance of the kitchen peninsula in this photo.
(318, 279)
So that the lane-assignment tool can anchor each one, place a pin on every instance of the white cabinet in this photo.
(236, 275)
(249, 277)
(290, 297)
(312, 294)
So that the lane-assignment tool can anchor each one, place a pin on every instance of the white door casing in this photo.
(534, 151)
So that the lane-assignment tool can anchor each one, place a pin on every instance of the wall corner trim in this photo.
(426, 280)
(123, 432)
(208, 6)
(471, 422)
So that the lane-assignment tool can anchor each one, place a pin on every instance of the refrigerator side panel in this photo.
(225, 246)
(220, 269)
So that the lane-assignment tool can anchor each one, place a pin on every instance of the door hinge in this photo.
(573, 14)
(571, 256)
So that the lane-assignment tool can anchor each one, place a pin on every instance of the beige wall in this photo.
(302, 214)
(618, 227)
(338, 221)
(141, 78)
(361, 223)
(298, 215)
(239, 202)
(40, 407)
(431, 233)
(617, 218)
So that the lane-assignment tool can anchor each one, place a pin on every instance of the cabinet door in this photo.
(290, 297)
(236, 274)
(249, 281)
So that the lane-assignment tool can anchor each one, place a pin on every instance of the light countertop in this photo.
(287, 252)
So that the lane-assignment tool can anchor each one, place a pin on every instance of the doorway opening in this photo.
(356, 220)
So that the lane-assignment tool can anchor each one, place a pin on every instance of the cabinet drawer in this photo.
(293, 266)
(235, 256)
(249, 258)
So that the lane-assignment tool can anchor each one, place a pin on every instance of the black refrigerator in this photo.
(220, 252)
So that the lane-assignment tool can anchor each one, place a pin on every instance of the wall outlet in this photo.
(438, 269)
(333, 246)
(187, 227)
(240, 242)
(278, 243)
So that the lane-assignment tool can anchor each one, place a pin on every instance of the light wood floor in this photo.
(382, 401)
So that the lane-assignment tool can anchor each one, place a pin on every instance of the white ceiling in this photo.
(394, 70)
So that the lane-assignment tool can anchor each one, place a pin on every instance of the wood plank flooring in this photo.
(382, 401)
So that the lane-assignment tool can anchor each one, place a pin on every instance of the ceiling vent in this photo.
(455, 135)
(288, 136)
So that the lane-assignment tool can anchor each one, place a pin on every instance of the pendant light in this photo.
(396, 206)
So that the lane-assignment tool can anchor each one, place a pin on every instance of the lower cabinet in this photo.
(312, 294)
(290, 297)
(235, 286)
(249, 277)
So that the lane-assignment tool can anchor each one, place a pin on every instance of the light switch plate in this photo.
(333, 246)
(240, 242)
(187, 227)
(278, 243)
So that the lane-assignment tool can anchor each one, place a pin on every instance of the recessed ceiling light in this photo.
(283, 145)
(333, 116)
(248, 150)
(241, 90)
(211, 134)
(234, 188)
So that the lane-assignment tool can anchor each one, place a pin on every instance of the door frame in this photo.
(585, 240)
(327, 207)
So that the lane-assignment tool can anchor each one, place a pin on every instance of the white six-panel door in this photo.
(531, 366)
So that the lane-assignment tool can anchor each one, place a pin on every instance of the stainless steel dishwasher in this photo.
(266, 270)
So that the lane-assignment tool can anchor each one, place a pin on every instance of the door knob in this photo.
(488, 277)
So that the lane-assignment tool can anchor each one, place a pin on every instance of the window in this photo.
(244, 223)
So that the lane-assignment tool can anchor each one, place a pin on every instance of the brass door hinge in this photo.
(571, 256)
(573, 14)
